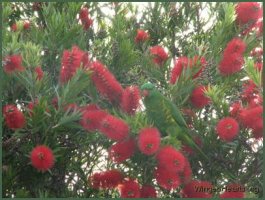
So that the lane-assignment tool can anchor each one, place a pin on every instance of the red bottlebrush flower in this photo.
(235, 109)
(231, 64)
(148, 191)
(13, 63)
(130, 99)
(170, 159)
(91, 120)
(187, 172)
(14, 118)
(95, 180)
(233, 191)
(71, 61)
(14, 27)
(111, 178)
(106, 83)
(198, 64)
(141, 36)
(198, 98)
(121, 151)
(42, 158)
(180, 63)
(87, 23)
(249, 90)
(248, 13)
(197, 189)
(149, 140)
(39, 73)
(129, 189)
(159, 54)
(184, 62)
(235, 46)
(252, 117)
(227, 129)
(26, 25)
(259, 66)
(114, 128)
(167, 179)
(255, 101)
(83, 13)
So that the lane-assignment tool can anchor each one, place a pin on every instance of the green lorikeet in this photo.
(166, 116)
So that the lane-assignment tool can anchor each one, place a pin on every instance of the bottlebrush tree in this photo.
(120, 100)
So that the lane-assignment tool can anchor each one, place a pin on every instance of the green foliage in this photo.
(183, 30)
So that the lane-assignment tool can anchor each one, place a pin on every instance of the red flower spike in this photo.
(129, 189)
(198, 64)
(248, 13)
(31, 106)
(26, 25)
(235, 46)
(13, 63)
(14, 118)
(198, 98)
(235, 109)
(106, 83)
(159, 54)
(114, 128)
(111, 179)
(71, 61)
(148, 191)
(130, 100)
(170, 159)
(180, 63)
(253, 118)
(91, 120)
(141, 36)
(227, 129)
(83, 14)
(250, 90)
(231, 64)
(42, 158)
(95, 180)
(197, 189)
(149, 141)
(167, 179)
(87, 23)
(257, 52)
(233, 191)
(14, 27)
(39, 73)
(121, 151)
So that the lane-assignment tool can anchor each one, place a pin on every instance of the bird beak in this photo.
(145, 93)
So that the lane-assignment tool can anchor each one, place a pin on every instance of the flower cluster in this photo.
(130, 99)
(71, 61)
(196, 64)
(227, 129)
(159, 55)
(198, 97)
(141, 36)
(232, 60)
(13, 63)
(14, 118)
(42, 158)
(85, 18)
(106, 180)
(105, 82)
